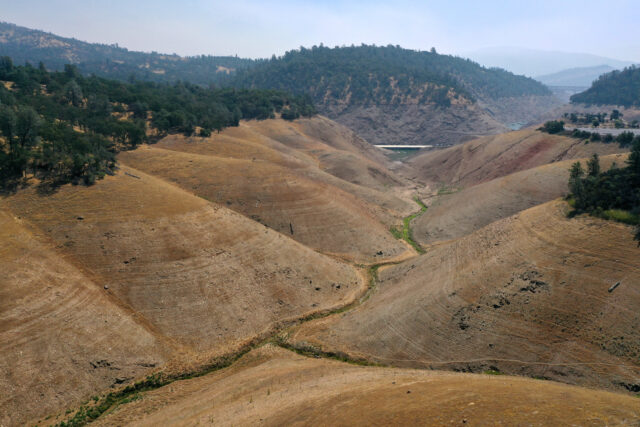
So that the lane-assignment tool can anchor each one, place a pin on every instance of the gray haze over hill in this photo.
(581, 76)
(534, 63)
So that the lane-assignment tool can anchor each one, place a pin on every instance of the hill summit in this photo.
(614, 88)
(393, 95)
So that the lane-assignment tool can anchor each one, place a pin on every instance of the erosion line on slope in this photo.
(92, 410)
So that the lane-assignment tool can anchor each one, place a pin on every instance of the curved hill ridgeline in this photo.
(200, 279)
(614, 88)
(526, 295)
(289, 177)
(62, 337)
(272, 386)
(462, 212)
(484, 159)
(157, 248)
(391, 95)
(385, 75)
(112, 61)
(179, 280)
(318, 215)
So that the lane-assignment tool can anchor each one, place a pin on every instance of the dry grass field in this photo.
(490, 157)
(274, 387)
(525, 295)
(462, 212)
(201, 250)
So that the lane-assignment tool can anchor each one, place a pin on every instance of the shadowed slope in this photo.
(318, 215)
(199, 273)
(491, 157)
(200, 278)
(271, 386)
(526, 295)
(291, 177)
(61, 336)
(458, 214)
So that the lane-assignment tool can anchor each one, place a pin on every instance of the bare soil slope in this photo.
(186, 279)
(462, 212)
(291, 178)
(527, 295)
(271, 386)
(61, 336)
(416, 124)
(491, 157)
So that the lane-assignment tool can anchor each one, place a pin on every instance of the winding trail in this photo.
(94, 409)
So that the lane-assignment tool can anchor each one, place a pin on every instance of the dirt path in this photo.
(102, 405)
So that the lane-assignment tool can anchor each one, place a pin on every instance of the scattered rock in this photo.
(132, 175)
(612, 288)
(121, 380)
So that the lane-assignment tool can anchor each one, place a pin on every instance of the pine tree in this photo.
(593, 166)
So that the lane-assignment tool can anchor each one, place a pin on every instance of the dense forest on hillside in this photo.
(64, 127)
(614, 88)
(614, 194)
(25, 45)
(371, 74)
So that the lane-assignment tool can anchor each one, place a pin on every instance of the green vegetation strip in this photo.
(406, 234)
(311, 351)
(90, 411)
(97, 406)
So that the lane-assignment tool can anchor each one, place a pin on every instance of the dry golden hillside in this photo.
(525, 295)
(199, 250)
(281, 174)
(462, 212)
(62, 337)
(176, 279)
(491, 157)
(199, 279)
(271, 386)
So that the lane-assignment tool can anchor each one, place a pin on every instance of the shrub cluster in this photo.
(614, 194)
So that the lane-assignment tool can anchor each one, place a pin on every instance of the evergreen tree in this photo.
(593, 166)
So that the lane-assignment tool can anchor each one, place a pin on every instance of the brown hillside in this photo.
(491, 157)
(61, 336)
(292, 178)
(274, 387)
(185, 277)
(526, 295)
(359, 168)
(318, 215)
(458, 214)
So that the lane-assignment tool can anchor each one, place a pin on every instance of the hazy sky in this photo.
(252, 28)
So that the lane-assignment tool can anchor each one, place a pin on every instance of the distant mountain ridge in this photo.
(579, 76)
(533, 62)
(393, 95)
(385, 74)
(34, 46)
(386, 94)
